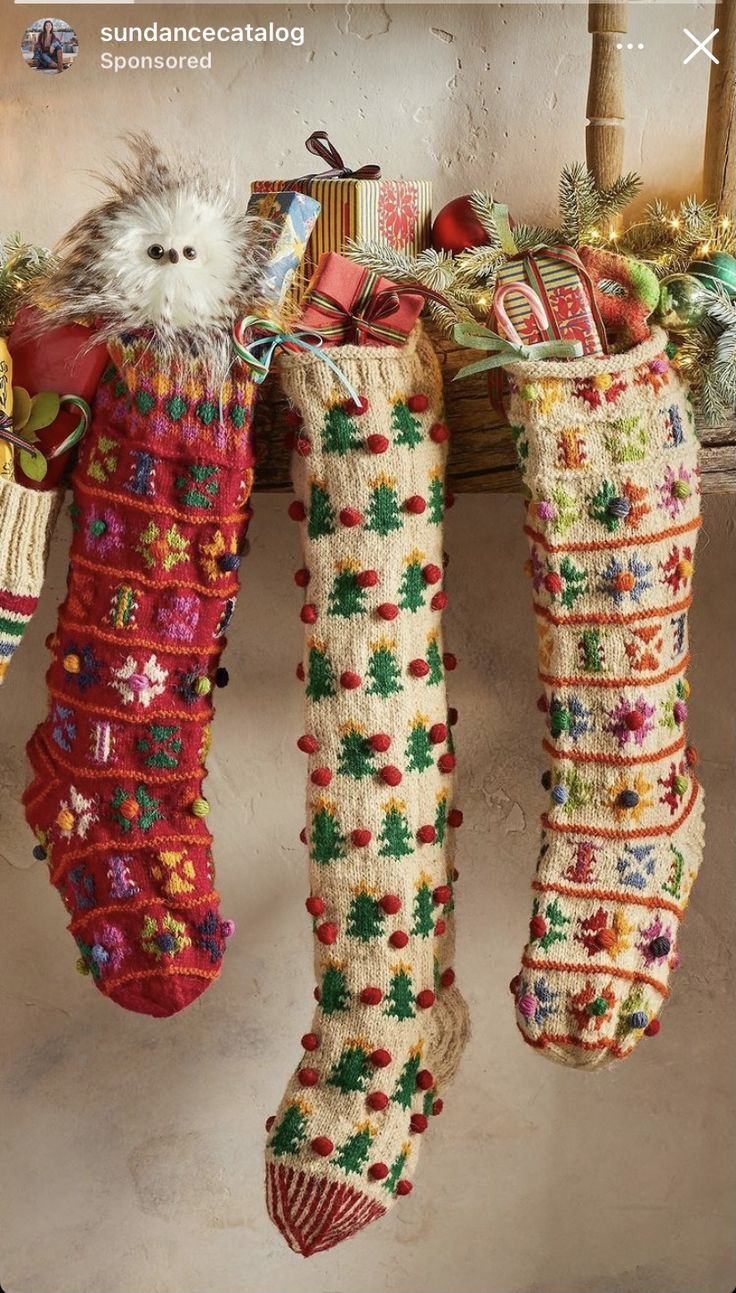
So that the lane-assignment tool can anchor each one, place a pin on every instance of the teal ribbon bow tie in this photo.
(258, 352)
(477, 337)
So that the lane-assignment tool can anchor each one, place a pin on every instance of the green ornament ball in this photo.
(716, 267)
(682, 301)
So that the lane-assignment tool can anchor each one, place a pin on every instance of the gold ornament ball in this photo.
(681, 302)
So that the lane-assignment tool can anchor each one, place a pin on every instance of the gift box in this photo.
(291, 217)
(349, 305)
(357, 204)
(563, 285)
(59, 360)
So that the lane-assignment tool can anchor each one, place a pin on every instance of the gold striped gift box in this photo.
(397, 213)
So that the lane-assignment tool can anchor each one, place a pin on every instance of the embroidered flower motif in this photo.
(605, 932)
(219, 556)
(629, 797)
(178, 615)
(674, 707)
(655, 941)
(627, 578)
(675, 490)
(167, 937)
(654, 374)
(626, 439)
(213, 933)
(604, 386)
(162, 548)
(566, 584)
(108, 950)
(141, 684)
(535, 1001)
(568, 715)
(537, 569)
(675, 786)
(76, 815)
(630, 721)
(678, 568)
(571, 792)
(590, 1008)
(635, 864)
(135, 809)
(63, 726)
(548, 392)
(118, 873)
(104, 532)
(105, 954)
(615, 508)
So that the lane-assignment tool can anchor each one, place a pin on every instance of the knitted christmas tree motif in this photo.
(413, 588)
(623, 826)
(423, 909)
(320, 673)
(383, 514)
(419, 755)
(436, 510)
(380, 899)
(384, 672)
(405, 425)
(348, 596)
(339, 431)
(366, 917)
(334, 992)
(291, 1131)
(326, 840)
(116, 802)
(357, 756)
(321, 512)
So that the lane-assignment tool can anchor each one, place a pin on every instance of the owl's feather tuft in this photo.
(169, 253)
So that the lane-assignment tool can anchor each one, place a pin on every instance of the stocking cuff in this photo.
(27, 519)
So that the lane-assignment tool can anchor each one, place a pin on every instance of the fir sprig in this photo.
(20, 264)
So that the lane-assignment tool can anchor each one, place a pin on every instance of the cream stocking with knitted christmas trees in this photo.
(369, 481)
(609, 456)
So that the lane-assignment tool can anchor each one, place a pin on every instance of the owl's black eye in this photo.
(189, 253)
(155, 251)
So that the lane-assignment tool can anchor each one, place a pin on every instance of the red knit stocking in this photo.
(160, 513)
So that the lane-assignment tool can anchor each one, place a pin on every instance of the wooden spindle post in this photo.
(604, 134)
(719, 167)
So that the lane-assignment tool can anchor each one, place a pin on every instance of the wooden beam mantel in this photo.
(482, 456)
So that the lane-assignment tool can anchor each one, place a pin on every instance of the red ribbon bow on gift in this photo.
(319, 144)
(363, 317)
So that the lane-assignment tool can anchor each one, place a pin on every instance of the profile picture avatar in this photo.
(49, 45)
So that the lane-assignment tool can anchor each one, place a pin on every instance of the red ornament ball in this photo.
(457, 227)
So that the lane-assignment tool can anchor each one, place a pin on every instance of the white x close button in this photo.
(701, 46)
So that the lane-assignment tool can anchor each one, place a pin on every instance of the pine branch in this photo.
(482, 204)
(579, 203)
(20, 264)
(382, 259)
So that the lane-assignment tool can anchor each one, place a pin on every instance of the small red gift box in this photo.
(349, 305)
(563, 285)
(54, 360)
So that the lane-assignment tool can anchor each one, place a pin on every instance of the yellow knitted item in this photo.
(608, 450)
(390, 1025)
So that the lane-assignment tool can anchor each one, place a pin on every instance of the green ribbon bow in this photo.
(477, 337)
(258, 352)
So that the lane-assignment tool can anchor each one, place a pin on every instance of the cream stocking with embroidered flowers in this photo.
(389, 1025)
(609, 456)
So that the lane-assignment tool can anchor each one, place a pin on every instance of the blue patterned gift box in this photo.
(293, 217)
